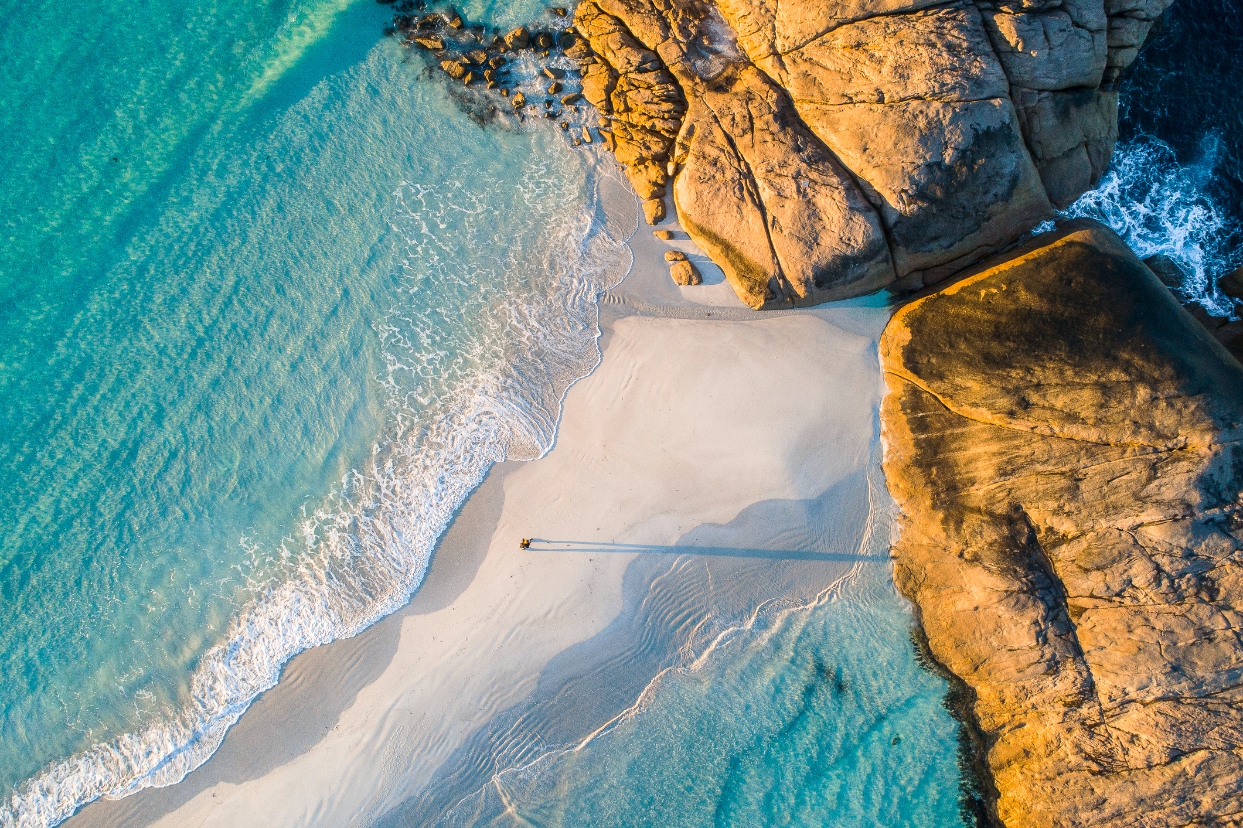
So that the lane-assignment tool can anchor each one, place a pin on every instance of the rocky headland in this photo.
(1063, 439)
(1065, 443)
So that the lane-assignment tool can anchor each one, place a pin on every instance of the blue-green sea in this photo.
(270, 305)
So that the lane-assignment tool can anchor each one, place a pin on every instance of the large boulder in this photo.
(916, 105)
(953, 128)
(1071, 134)
(1049, 46)
(754, 187)
(1065, 444)
(794, 228)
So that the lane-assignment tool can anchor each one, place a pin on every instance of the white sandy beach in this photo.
(699, 409)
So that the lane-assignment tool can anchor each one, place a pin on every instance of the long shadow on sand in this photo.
(776, 552)
(548, 545)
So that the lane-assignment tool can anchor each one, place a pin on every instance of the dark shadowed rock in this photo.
(1232, 284)
(1167, 270)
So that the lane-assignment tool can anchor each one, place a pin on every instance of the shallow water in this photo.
(252, 365)
(816, 715)
(760, 672)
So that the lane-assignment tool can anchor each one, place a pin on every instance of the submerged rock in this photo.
(1065, 444)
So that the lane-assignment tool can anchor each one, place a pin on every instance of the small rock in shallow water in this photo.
(663, 235)
(456, 22)
(565, 125)
(519, 100)
(554, 88)
(497, 62)
(519, 38)
(477, 56)
(685, 274)
(543, 40)
(654, 210)
(558, 11)
(433, 43)
(674, 255)
(570, 98)
(587, 135)
(454, 69)
(505, 93)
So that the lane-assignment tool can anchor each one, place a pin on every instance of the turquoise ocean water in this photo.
(270, 306)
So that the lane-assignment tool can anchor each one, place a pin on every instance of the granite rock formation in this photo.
(826, 149)
(1065, 444)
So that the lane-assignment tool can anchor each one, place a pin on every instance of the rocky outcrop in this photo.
(1065, 444)
(820, 150)
(915, 105)
(754, 188)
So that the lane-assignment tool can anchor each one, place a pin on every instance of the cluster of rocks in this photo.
(1065, 444)
(682, 270)
(823, 150)
(489, 63)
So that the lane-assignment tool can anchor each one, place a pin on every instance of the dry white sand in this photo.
(687, 421)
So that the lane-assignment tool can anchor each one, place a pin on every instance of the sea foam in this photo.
(1159, 206)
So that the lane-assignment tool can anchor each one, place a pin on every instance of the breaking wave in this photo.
(1159, 206)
